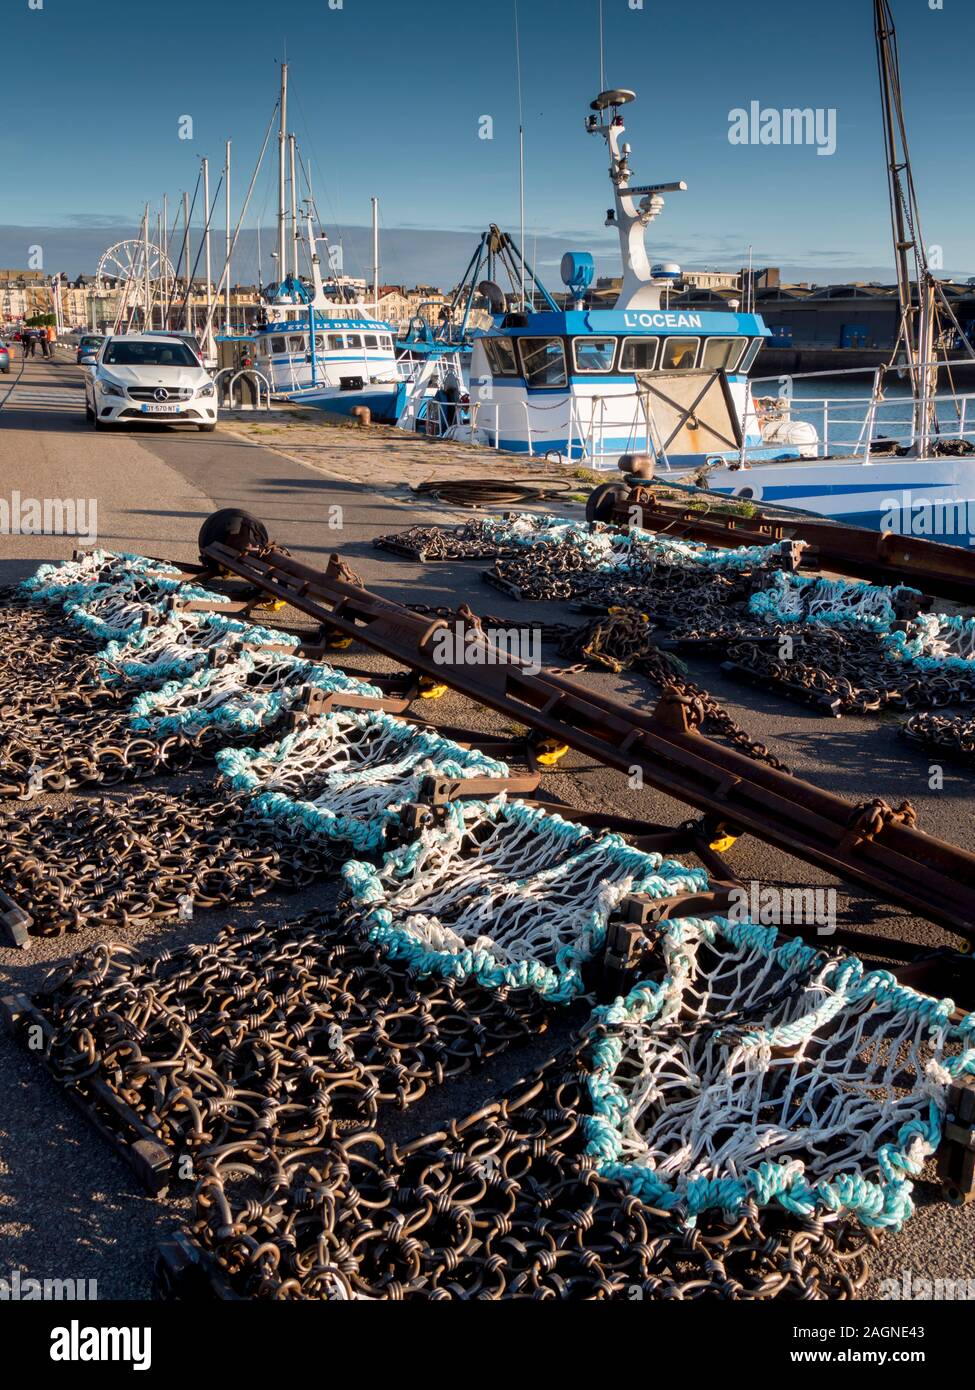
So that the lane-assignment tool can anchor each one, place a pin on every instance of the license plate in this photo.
(161, 409)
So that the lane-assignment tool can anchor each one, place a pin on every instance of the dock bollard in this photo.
(363, 416)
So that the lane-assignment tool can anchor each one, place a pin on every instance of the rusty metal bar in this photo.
(899, 863)
(946, 571)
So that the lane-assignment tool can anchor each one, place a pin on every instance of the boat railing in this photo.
(259, 381)
(854, 425)
(484, 407)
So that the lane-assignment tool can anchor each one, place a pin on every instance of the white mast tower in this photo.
(640, 290)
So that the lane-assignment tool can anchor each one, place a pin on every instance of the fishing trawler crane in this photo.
(640, 289)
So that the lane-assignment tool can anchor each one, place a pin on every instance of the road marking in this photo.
(46, 397)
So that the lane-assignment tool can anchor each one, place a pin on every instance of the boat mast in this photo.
(282, 146)
(918, 321)
(208, 270)
(226, 323)
(294, 207)
(631, 218)
(375, 258)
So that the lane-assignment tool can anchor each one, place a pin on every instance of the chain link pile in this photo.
(622, 642)
(475, 540)
(938, 733)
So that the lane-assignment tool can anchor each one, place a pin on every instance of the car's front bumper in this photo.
(112, 409)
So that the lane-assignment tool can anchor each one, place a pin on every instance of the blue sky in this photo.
(388, 95)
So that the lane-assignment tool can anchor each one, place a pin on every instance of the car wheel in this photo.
(206, 429)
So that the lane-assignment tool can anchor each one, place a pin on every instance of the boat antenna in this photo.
(521, 142)
(602, 50)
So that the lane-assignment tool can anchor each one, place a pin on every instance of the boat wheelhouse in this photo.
(590, 385)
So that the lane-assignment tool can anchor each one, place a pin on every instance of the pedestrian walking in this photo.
(29, 341)
(45, 342)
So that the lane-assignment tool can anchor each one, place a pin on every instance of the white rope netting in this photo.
(245, 694)
(180, 644)
(348, 773)
(771, 1072)
(508, 894)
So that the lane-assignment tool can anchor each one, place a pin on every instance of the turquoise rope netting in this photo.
(762, 1069)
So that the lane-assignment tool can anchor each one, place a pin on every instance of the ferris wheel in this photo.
(126, 263)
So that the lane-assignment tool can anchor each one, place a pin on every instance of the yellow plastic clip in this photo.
(549, 753)
(274, 605)
(339, 642)
(724, 842)
(429, 690)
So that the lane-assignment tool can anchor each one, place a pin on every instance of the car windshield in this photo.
(119, 353)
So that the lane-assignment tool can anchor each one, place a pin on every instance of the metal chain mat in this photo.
(150, 858)
(501, 1205)
(269, 1034)
(841, 666)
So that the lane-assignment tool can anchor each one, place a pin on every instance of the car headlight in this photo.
(108, 388)
(206, 390)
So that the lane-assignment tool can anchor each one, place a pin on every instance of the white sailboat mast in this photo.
(282, 156)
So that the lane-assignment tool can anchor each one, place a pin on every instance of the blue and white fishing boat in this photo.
(316, 348)
(589, 385)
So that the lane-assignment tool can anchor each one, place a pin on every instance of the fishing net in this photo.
(936, 641)
(346, 774)
(72, 579)
(247, 693)
(180, 644)
(770, 1072)
(507, 894)
(796, 598)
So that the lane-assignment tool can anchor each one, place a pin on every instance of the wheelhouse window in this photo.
(723, 352)
(335, 342)
(279, 345)
(748, 361)
(543, 361)
(297, 342)
(594, 354)
(354, 340)
(679, 354)
(319, 342)
(371, 340)
(501, 356)
(639, 354)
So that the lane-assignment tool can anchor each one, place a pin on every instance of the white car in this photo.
(149, 377)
